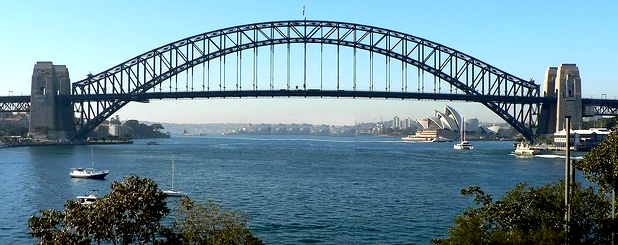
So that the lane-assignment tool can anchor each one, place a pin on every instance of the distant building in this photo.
(114, 126)
(581, 140)
(396, 122)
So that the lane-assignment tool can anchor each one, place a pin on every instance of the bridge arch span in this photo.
(144, 72)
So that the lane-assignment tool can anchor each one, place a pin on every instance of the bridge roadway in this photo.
(310, 93)
(21, 103)
(15, 103)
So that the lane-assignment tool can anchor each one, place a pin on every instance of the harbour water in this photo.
(295, 189)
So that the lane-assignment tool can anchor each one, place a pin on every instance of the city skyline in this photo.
(524, 41)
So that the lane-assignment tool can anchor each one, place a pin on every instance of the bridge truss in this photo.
(602, 107)
(160, 69)
(15, 104)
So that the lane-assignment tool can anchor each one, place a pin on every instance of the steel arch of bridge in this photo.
(144, 72)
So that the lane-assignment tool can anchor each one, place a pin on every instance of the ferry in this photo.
(426, 136)
(524, 149)
(441, 139)
(417, 138)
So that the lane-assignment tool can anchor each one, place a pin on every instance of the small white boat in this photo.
(172, 192)
(524, 149)
(441, 139)
(88, 173)
(89, 198)
(463, 144)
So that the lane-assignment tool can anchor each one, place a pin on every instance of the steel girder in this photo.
(606, 110)
(603, 107)
(465, 73)
(15, 103)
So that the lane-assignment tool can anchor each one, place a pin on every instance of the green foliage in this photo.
(528, 215)
(131, 213)
(600, 164)
(12, 129)
(210, 224)
(543, 140)
(601, 123)
(139, 130)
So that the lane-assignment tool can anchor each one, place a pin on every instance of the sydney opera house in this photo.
(445, 124)
(448, 120)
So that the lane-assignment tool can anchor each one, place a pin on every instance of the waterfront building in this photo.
(581, 140)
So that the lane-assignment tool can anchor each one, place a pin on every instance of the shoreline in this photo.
(56, 143)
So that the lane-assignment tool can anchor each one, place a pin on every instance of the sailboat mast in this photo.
(173, 173)
(92, 158)
(463, 121)
(461, 129)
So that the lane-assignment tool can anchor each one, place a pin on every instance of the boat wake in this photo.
(558, 156)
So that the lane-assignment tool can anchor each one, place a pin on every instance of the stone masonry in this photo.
(50, 118)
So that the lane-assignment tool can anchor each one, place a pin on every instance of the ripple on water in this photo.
(311, 190)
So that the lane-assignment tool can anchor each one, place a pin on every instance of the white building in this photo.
(581, 140)
(449, 120)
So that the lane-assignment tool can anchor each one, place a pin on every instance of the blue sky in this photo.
(523, 38)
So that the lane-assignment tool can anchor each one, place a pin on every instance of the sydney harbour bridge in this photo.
(301, 58)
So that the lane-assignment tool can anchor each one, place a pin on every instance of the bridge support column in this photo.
(547, 117)
(50, 118)
(563, 83)
(569, 92)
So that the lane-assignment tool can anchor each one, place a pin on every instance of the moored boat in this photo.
(89, 198)
(172, 192)
(88, 173)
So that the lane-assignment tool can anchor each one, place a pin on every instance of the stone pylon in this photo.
(564, 84)
(569, 93)
(547, 118)
(50, 117)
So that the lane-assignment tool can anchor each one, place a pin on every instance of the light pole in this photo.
(567, 178)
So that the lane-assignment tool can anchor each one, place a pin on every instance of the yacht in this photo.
(524, 149)
(172, 192)
(88, 173)
(89, 198)
(463, 144)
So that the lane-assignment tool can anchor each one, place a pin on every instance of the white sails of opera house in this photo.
(449, 120)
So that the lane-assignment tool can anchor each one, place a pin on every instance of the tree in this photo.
(600, 165)
(139, 130)
(210, 224)
(528, 215)
(131, 213)
(12, 129)
(157, 126)
(601, 123)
